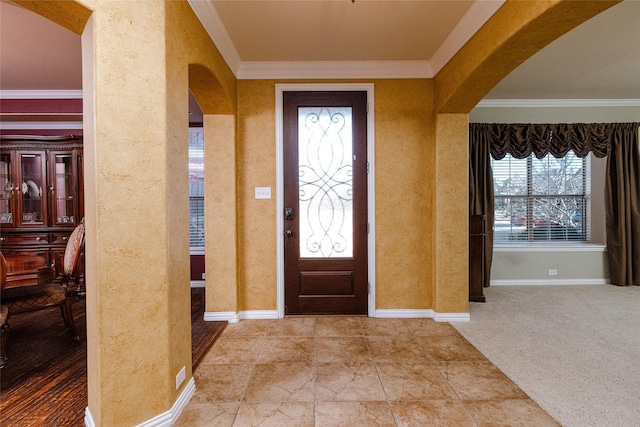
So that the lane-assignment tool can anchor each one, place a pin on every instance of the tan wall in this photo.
(451, 228)
(127, 197)
(404, 193)
(256, 150)
(405, 171)
(139, 60)
(221, 213)
(136, 149)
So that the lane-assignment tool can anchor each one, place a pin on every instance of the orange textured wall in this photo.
(404, 193)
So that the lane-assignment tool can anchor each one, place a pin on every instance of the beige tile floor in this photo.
(352, 371)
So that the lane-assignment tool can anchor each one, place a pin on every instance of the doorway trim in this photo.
(317, 87)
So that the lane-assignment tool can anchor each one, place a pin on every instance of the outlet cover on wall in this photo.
(181, 377)
(553, 272)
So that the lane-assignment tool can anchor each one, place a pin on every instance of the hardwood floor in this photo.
(203, 334)
(44, 382)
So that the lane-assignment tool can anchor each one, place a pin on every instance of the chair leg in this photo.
(4, 337)
(67, 316)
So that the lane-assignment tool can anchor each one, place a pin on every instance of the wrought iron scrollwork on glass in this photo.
(325, 161)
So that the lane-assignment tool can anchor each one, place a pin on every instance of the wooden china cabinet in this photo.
(41, 194)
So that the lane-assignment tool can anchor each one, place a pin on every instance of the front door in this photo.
(325, 202)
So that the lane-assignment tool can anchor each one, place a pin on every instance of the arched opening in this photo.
(559, 266)
(215, 101)
(219, 201)
(203, 333)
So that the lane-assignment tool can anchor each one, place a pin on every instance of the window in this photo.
(196, 188)
(541, 200)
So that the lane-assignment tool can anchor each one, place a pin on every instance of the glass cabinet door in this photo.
(32, 188)
(8, 183)
(62, 187)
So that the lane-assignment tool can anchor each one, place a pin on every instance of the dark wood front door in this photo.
(325, 199)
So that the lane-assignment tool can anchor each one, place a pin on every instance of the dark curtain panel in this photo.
(481, 186)
(622, 205)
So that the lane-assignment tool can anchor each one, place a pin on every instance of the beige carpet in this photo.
(574, 349)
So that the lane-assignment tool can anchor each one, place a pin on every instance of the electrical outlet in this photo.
(553, 272)
(263, 192)
(181, 377)
(203, 276)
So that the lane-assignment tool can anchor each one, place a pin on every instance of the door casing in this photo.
(366, 87)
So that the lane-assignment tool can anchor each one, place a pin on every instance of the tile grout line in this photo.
(242, 401)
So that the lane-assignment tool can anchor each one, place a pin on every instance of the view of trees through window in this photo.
(196, 188)
(541, 199)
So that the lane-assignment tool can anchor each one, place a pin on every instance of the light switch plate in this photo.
(263, 192)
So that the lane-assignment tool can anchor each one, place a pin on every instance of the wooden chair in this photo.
(4, 312)
(50, 291)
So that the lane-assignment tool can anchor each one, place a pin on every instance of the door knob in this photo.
(288, 233)
(288, 214)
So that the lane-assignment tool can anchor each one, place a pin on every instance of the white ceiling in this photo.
(368, 38)
(339, 30)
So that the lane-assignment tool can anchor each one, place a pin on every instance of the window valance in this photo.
(522, 139)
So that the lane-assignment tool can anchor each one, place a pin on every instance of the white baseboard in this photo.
(221, 316)
(425, 313)
(165, 419)
(404, 313)
(259, 314)
(550, 282)
(452, 317)
(234, 317)
(88, 419)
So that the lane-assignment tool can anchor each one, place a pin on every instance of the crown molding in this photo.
(210, 20)
(40, 94)
(550, 103)
(334, 70)
(477, 15)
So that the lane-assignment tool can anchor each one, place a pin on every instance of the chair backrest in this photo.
(73, 250)
(3, 271)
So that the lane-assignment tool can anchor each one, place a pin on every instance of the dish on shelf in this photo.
(34, 191)
(7, 188)
(24, 187)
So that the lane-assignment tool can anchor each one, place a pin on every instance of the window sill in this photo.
(549, 247)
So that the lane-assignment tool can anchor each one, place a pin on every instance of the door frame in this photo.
(319, 87)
